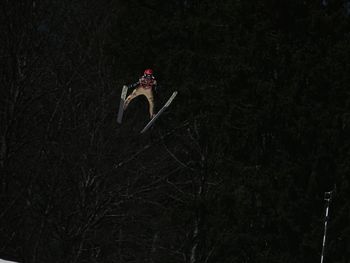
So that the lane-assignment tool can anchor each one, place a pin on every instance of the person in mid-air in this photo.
(144, 86)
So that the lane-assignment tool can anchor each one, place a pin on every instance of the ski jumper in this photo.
(144, 87)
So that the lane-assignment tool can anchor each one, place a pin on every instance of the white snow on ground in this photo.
(6, 261)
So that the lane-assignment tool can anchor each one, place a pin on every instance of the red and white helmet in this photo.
(148, 72)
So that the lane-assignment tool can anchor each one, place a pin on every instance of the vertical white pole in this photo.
(327, 198)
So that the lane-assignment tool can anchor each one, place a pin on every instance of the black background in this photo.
(234, 171)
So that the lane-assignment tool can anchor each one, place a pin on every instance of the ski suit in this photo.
(144, 87)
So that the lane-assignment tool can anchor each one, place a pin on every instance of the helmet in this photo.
(148, 72)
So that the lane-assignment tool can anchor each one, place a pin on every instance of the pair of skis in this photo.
(150, 123)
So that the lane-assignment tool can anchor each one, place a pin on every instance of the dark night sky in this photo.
(235, 170)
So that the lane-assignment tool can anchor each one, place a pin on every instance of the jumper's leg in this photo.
(132, 96)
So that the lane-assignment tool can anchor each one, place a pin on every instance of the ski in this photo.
(121, 105)
(166, 105)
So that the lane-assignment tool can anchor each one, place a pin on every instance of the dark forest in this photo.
(235, 170)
